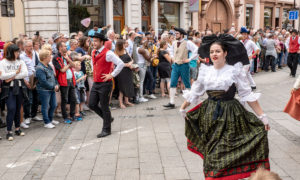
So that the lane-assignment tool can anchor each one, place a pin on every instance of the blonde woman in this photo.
(57, 93)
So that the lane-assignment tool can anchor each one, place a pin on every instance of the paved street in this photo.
(147, 143)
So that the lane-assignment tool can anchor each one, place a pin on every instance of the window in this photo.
(168, 15)
(7, 8)
(86, 2)
(268, 17)
(249, 15)
(285, 18)
(277, 12)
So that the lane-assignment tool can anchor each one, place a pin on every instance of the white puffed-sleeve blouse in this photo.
(210, 78)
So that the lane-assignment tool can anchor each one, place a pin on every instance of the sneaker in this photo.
(77, 118)
(23, 125)
(27, 120)
(151, 96)
(86, 108)
(142, 99)
(67, 121)
(19, 133)
(54, 122)
(9, 136)
(36, 118)
(49, 126)
(59, 115)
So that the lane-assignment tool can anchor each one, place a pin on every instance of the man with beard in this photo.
(181, 68)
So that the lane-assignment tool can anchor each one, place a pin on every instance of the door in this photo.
(217, 16)
(119, 19)
(216, 27)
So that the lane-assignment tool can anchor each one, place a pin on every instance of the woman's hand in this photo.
(264, 119)
(10, 79)
(183, 113)
(19, 69)
(267, 127)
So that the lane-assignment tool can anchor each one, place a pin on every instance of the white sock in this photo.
(172, 95)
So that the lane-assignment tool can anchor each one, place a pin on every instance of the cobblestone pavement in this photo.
(147, 143)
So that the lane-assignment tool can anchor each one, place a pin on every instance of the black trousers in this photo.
(270, 60)
(68, 95)
(31, 104)
(13, 103)
(100, 95)
(292, 62)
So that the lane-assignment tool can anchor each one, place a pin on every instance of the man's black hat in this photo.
(100, 36)
(37, 33)
(295, 31)
(180, 30)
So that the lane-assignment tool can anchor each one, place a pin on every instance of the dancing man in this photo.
(181, 68)
(103, 60)
(252, 50)
(293, 47)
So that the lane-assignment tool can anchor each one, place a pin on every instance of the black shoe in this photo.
(103, 134)
(112, 119)
(279, 67)
(82, 113)
(169, 106)
(293, 76)
(135, 101)
(19, 133)
(253, 87)
(9, 136)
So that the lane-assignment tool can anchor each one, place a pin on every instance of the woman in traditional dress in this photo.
(231, 140)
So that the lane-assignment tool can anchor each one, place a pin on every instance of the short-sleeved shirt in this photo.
(92, 32)
(69, 72)
(193, 63)
(78, 75)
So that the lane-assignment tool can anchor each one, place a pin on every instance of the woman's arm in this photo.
(168, 57)
(259, 112)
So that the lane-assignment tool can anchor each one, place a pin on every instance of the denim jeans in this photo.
(154, 71)
(48, 101)
(148, 85)
(142, 74)
(279, 60)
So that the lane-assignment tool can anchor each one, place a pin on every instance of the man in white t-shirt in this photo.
(252, 50)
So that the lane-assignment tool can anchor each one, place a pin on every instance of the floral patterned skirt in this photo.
(233, 144)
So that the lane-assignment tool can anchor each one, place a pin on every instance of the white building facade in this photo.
(46, 16)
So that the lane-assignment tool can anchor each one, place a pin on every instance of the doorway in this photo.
(217, 16)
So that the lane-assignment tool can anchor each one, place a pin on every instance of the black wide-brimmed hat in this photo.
(294, 31)
(180, 30)
(100, 36)
(236, 51)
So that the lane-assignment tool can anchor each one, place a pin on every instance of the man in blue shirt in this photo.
(97, 30)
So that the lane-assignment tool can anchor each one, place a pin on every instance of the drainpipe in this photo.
(24, 16)
(57, 17)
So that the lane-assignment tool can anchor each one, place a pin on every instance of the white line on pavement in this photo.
(130, 130)
(43, 156)
(81, 145)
